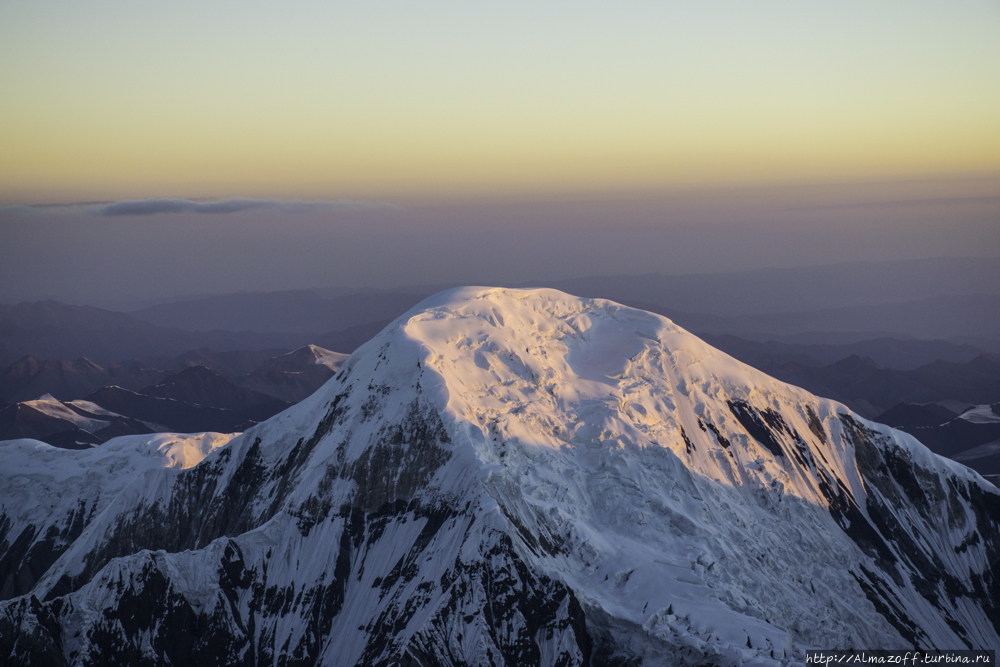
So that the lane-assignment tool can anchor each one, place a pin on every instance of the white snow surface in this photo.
(321, 356)
(92, 408)
(41, 484)
(53, 407)
(131, 452)
(328, 358)
(980, 414)
(601, 429)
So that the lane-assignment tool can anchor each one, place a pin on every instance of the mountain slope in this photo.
(516, 477)
(121, 460)
(70, 424)
(203, 386)
(293, 376)
(871, 390)
(174, 415)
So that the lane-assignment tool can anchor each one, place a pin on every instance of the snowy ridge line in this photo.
(525, 477)
(980, 414)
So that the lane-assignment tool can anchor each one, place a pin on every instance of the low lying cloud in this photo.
(137, 207)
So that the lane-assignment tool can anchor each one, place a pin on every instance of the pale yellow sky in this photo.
(393, 101)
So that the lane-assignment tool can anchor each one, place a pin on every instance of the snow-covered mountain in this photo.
(504, 477)
(68, 424)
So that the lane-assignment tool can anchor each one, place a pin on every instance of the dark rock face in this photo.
(756, 424)
(520, 608)
(28, 555)
(908, 542)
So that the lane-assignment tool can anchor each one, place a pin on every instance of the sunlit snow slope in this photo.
(509, 477)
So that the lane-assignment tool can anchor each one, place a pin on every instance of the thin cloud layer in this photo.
(142, 207)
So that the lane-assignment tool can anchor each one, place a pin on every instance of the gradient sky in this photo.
(107, 100)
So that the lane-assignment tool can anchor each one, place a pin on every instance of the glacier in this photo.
(503, 477)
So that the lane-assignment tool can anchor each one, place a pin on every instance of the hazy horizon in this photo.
(130, 252)
(236, 147)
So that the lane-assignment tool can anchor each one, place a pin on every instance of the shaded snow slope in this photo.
(52, 407)
(48, 494)
(524, 477)
(981, 414)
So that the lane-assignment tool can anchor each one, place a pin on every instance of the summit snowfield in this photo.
(505, 477)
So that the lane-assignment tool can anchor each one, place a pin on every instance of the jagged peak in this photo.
(44, 398)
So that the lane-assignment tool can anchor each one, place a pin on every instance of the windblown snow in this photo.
(506, 477)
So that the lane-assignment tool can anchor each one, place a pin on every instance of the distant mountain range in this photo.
(68, 425)
(30, 377)
(970, 436)
(82, 405)
(799, 289)
(894, 353)
(938, 317)
(956, 299)
(52, 330)
(298, 311)
(59, 331)
(933, 299)
(871, 335)
(202, 390)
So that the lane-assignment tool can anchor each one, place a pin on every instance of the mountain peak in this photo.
(526, 477)
(856, 362)
(567, 374)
